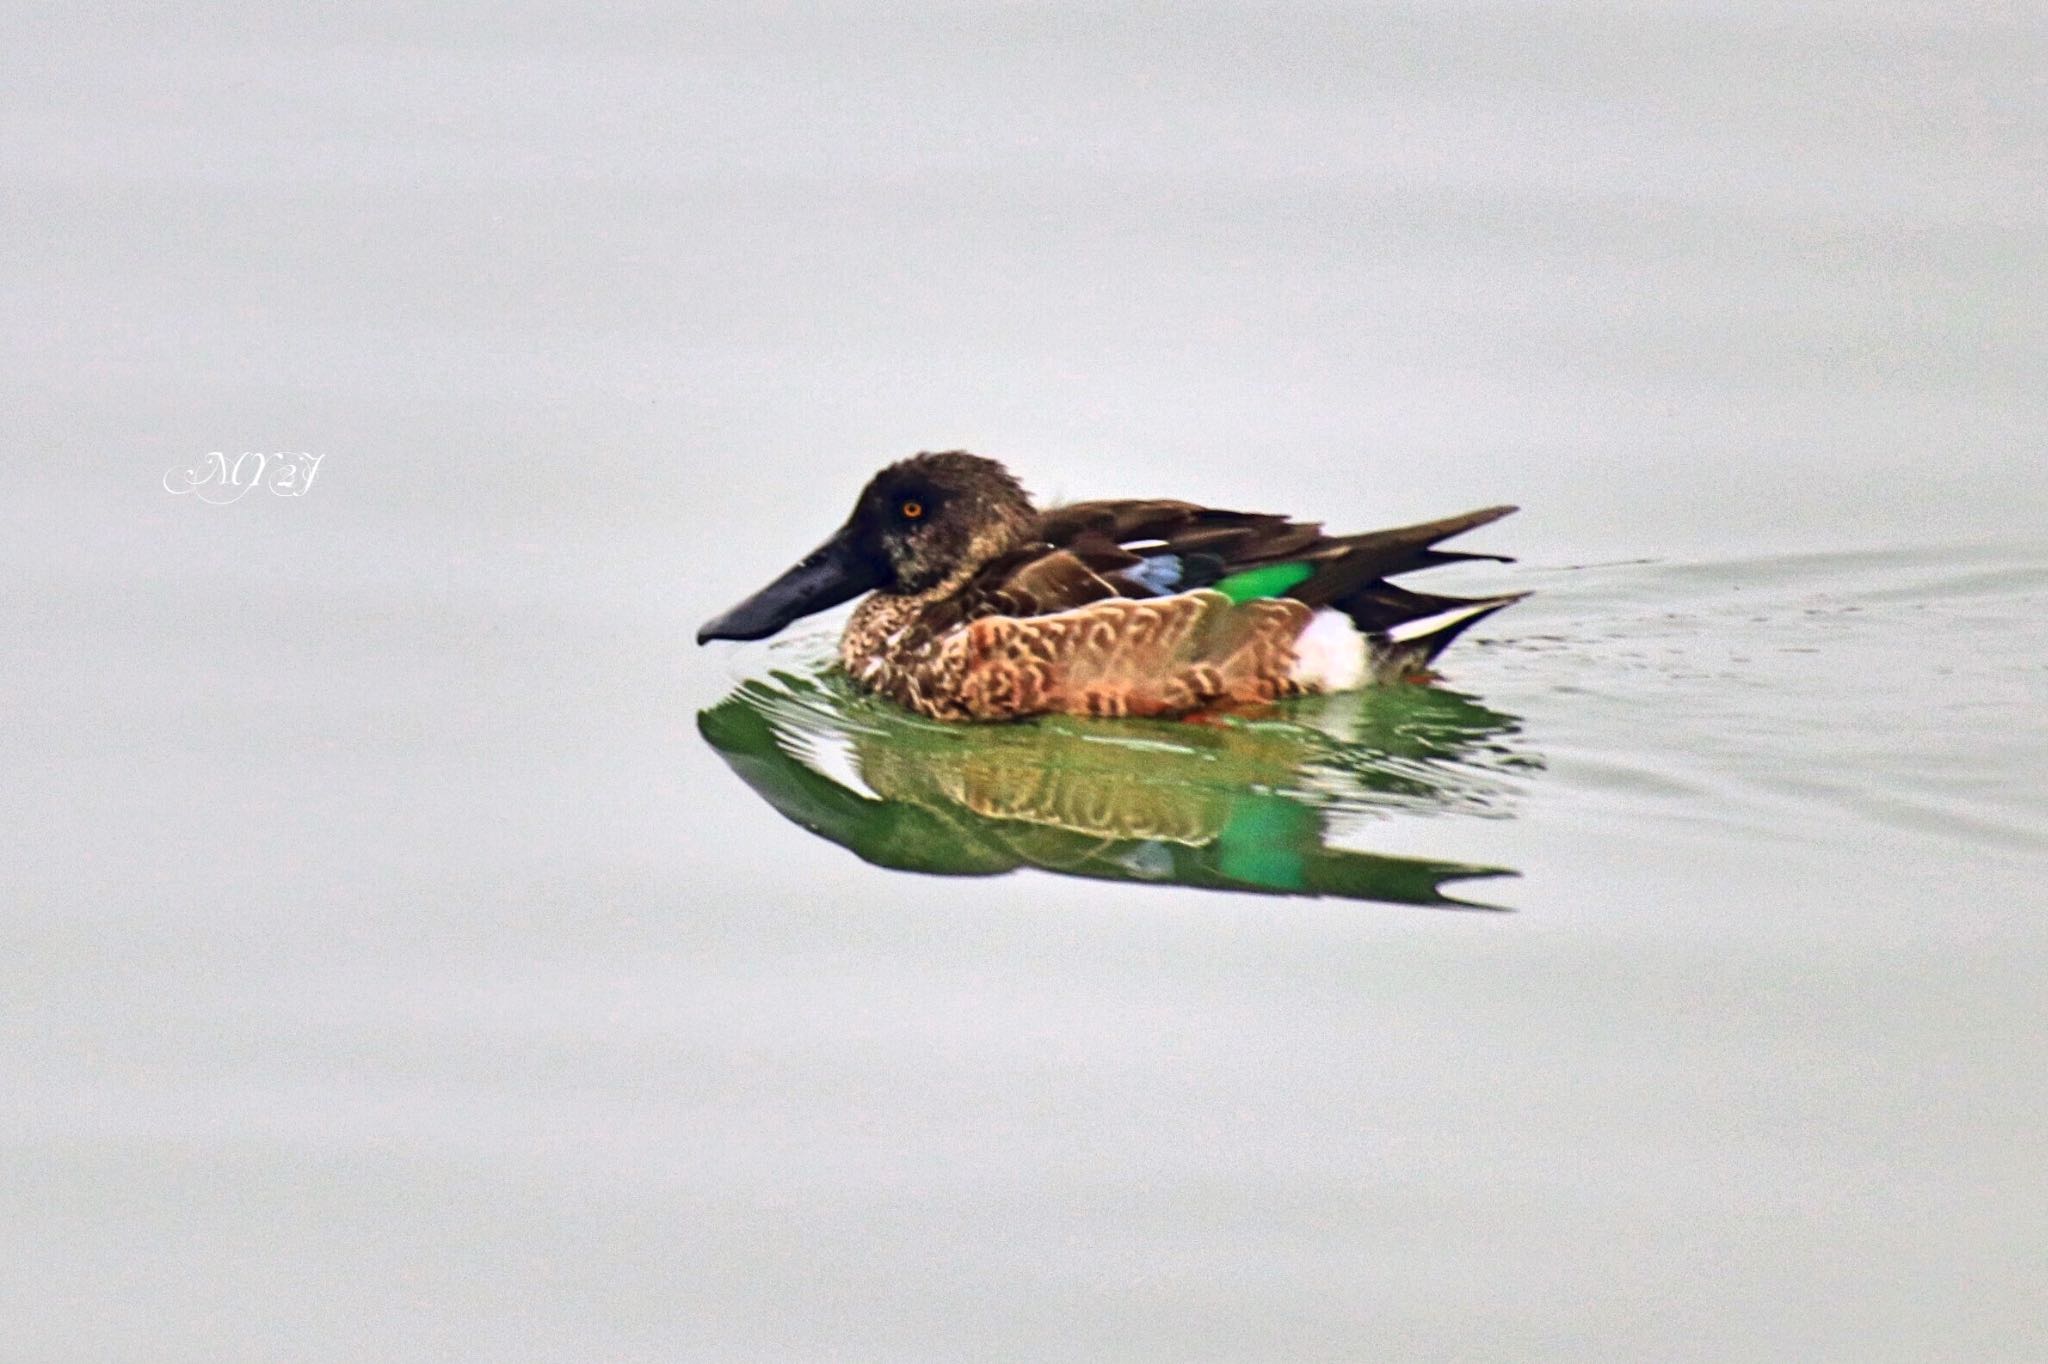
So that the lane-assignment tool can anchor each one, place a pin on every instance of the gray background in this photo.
(391, 973)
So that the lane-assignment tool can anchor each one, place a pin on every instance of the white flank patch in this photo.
(1330, 654)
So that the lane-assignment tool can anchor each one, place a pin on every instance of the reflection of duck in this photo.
(1245, 805)
(981, 607)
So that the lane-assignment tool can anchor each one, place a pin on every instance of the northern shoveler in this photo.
(982, 607)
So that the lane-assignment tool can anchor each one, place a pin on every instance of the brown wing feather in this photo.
(1249, 539)
(1125, 520)
(1349, 563)
(1049, 581)
(1080, 552)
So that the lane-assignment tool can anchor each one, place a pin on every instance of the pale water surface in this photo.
(417, 949)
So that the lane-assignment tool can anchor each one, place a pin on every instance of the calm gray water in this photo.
(400, 964)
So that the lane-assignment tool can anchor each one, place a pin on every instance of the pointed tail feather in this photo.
(1346, 564)
(1414, 643)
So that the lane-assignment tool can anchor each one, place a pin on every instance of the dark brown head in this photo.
(920, 525)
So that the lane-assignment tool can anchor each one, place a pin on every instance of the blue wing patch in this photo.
(1165, 574)
(1160, 574)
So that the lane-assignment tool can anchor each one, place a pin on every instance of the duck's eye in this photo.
(912, 510)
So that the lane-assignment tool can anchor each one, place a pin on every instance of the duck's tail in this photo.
(1410, 645)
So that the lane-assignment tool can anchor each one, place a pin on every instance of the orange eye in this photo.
(913, 510)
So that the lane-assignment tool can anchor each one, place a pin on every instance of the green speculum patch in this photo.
(1269, 580)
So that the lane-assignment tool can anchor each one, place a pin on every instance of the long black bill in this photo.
(830, 574)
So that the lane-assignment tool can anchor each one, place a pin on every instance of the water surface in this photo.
(417, 949)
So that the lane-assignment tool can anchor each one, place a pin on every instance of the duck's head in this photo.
(920, 526)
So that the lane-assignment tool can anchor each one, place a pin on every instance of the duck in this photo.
(979, 606)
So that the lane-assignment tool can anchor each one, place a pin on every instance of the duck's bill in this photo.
(832, 573)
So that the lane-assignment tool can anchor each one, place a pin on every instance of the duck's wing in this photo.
(1088, 552)
(1040, 579)
(1160, 547)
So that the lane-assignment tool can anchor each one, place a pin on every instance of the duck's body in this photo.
(984, 608)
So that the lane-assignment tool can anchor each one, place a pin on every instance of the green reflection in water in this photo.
(1246, 803)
